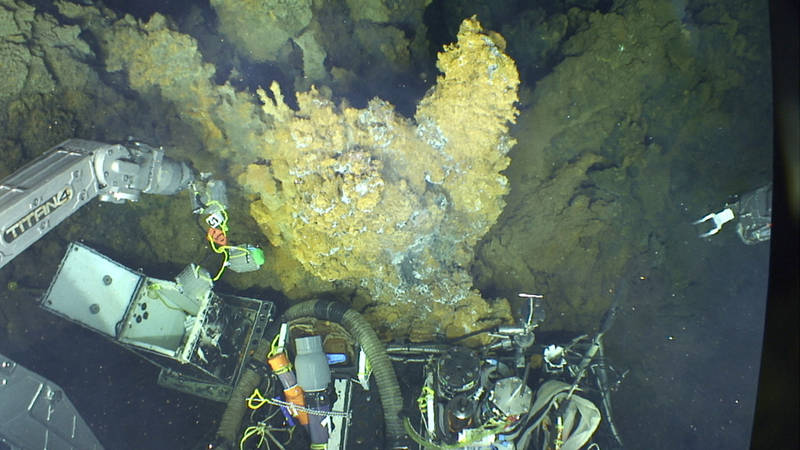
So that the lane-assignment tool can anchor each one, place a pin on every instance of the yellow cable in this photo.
(222, 267)
(153, 288)
(224, 224)
(256, 400)
(250, 431)
(273, 347)
(224, 249)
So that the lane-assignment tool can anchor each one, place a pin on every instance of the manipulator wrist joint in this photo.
(124, 172)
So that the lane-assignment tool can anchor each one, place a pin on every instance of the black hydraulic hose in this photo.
(385, 378)
(235, 410)
(231, 421)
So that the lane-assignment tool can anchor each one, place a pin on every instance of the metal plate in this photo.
(92, 290)
(35, 413)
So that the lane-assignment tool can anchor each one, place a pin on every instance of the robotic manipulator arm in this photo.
(42, 194)
(752, 212)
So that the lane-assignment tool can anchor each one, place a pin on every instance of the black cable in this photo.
(469, 335)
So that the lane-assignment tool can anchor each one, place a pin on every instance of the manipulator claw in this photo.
(717, 219)
(210, 198)
(753, 214)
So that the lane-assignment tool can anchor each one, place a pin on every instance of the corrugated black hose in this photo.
(236, 408)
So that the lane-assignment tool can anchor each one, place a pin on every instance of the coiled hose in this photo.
(356, 325)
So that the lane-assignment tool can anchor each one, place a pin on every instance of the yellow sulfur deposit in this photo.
(471, 106)
(365, 198)
(390, 204)
(161, 61)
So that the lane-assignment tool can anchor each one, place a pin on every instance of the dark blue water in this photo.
(694, 353)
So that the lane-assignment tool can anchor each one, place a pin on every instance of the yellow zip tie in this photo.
(422, 400)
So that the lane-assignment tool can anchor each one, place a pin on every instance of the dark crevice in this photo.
(600, 166)
(143, 9)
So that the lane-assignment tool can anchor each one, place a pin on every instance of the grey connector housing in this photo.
(311, 365)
